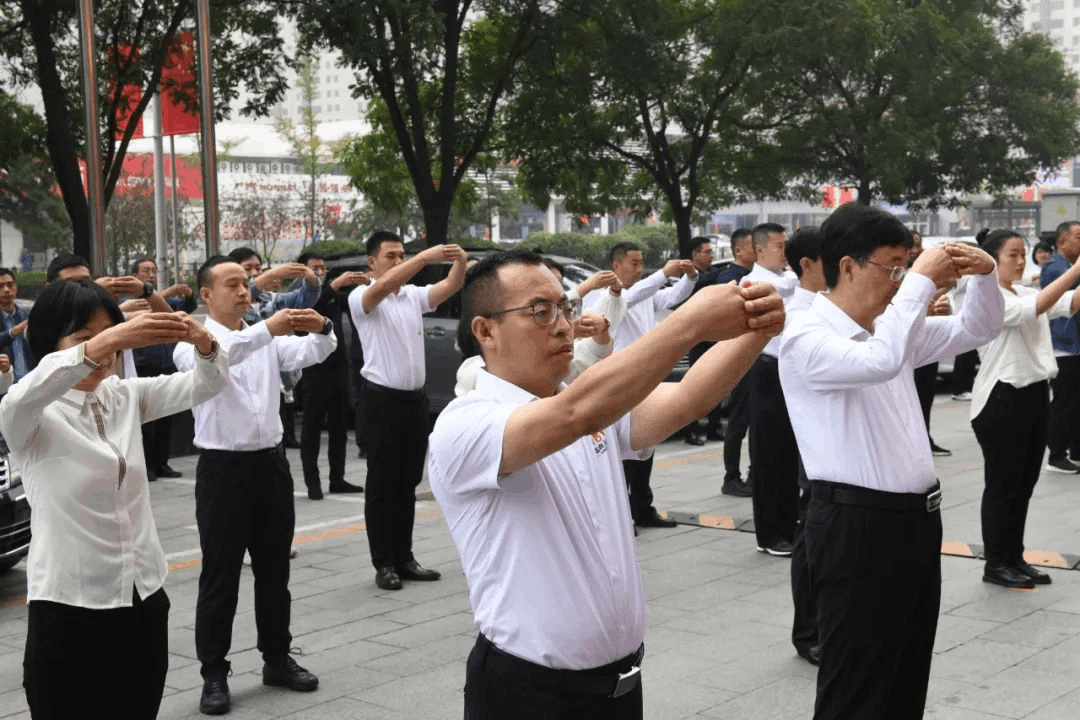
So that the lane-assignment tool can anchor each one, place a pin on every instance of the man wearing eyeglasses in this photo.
(528, 474)
(873, 526)
(773, 454)
(644, 299)
(388, 317)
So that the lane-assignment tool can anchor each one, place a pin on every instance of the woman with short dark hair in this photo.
(97, 636)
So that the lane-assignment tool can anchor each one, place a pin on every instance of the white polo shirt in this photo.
(548, 551)
(392, 336)
(785, 283)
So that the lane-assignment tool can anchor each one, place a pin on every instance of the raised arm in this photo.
(394, 278)
(1050, 294)
(296, 353)
(611, 388)
(443, 290)
(169, 394)
(672, 296)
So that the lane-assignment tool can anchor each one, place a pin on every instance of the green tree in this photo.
(129, 224)
(440, 71)
(39, 45)
(922, 103)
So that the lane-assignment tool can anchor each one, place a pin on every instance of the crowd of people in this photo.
(825, 344)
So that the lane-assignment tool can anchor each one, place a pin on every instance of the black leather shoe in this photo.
(736, 488)
(283, 671)
(1006, 576)
(694, 439)
(387, 579)
(167, 472)
(653, 519)
(811, 655)
(315, 493)
(345, 487)
(215, 698)
(413, 571)
(151, 476)
(1037, 576)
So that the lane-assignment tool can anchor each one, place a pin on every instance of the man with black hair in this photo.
(13, 327)
(243, 486)
(772, 445)
(388, 316)
(1064, 435)
(873, 527)
(527, 472)
(326, 388)
(644, 298)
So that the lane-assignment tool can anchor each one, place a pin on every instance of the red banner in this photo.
(130, 93)
(177, 88)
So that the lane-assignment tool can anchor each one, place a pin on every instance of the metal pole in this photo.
(160, 250)
(95, 197)
(206, 122)
(175, 224)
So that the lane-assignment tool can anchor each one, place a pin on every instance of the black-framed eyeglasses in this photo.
(896, 273)
(544, 312)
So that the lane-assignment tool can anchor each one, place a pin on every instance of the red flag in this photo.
(177, 88)
(130, 93)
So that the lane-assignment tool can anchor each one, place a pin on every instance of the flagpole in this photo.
(206, 122)
(160, 250)
(95, 197)
(177, 275)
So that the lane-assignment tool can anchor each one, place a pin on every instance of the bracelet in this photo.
(212, 355)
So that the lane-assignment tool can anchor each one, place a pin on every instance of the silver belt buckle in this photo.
(933, 501)
(627, 681)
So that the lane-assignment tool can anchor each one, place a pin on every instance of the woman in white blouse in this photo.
(97, 635)
(1010, 407)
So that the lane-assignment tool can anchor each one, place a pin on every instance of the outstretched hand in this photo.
(764, 308)
(969, 260)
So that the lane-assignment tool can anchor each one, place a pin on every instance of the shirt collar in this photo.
(213, 325)
(837, 319)
(494, 387)
(763, 269)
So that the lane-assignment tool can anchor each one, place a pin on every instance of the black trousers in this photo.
(156, 434)
(96, 663)
(1011, 431)
(396, 428)
(738, 422)
(325, 397)
(524, 691)
(774, 456)
(638, 474)
(804, 632)
(925, 385)
(1064, 433)
(876, 577)
(243, 501)
(964, 367)
(287, 413)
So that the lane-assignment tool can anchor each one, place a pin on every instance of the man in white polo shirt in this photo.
(388, 317)
(528, 475)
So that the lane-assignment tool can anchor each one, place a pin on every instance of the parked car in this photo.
(14, 513)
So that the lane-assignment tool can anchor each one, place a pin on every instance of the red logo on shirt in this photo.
(599, 444)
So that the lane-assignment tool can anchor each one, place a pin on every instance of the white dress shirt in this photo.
(548, 551)
(93, 536)
(643, 299)
(244, 416)
(6, 378)
(1023, 353)
(785, 283)
(851, 395)
(392, 336)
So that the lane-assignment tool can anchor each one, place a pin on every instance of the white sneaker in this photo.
(963, 397)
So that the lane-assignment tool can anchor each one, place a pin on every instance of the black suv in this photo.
(14, 513)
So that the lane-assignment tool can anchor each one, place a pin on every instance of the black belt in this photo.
(613, 680)
(411, 394)
(275, 450)
(844, 494)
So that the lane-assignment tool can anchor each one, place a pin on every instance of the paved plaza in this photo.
(719, 612)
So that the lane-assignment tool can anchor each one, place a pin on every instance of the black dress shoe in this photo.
(1037, 576)
(694, 439)
(215, 698)
(811, 655)
(345, 487)
(167, 472)
(653, 519)
(315, 493)
(151, 476)
(1006, 576)
(716, 434)
(283, 671)
(413, 571)
(736, 488)
(387, 579)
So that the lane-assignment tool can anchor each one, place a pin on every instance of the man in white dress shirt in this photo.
(243, 486)
(644, 298)
(528, 475)
(773, 454)
(388, 317)
(873, 530)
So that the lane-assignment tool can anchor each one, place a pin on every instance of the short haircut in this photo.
(63, 262)
(993, 241)
(556, 266)
(619, 251)
(7, 271)
(481, 293)
(695, 244)
(240, 254)
(1065, 228)
(762, 232)
(804, 243)
(1034, 251)
(65, 307)
(306, 255)
(135, 265)
(205, 276)
(738, 237)
(857, 231)
(375, 242)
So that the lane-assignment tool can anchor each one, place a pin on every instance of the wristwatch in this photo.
(147, 291)
(328, 326)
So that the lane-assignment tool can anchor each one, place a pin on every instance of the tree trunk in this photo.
(683, 230)
(437, 218)
(866, 195)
